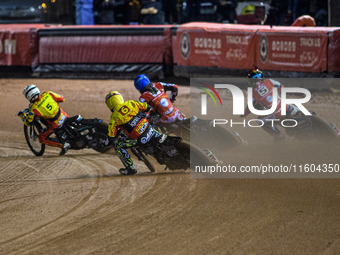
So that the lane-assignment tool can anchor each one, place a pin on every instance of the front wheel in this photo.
(141, 156)
(32, 139)
(322, 128)
(192, 155)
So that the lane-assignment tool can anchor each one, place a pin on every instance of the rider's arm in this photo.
(112, 129)
(143, 106)
(277, 85)
(57, 97)
(148, 108)
(27, 116)
(171, 87)
(143, 98)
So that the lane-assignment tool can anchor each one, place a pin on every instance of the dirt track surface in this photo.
(79, 203)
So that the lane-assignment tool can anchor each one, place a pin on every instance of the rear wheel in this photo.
(312, 128)
(102, 137)
(224, 139)
(204, 135)
(32, 139)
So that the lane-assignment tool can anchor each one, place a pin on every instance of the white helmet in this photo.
(30, 92)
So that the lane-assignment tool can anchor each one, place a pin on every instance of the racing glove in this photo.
(173, 96)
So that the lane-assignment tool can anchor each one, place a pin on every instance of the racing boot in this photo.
(64, 149)
(130, 170)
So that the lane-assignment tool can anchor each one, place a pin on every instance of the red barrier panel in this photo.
(105, 49)
(194, 47)
(291, 49)
(121, 44)
(17, 43)
(215, 45)
(334, 51)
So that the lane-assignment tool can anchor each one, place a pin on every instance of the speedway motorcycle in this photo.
(200, 132)
(174, 154)
(80, 133)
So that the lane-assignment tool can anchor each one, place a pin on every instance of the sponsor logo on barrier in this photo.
(208, 43)
(285, 46)
(310, 42)
(207, 46)
(263, 48)
(185, 45)
(238, 40)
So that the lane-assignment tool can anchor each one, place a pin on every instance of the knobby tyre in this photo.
(322, 128)
(141, 156)
(102, 136)
(32, 139)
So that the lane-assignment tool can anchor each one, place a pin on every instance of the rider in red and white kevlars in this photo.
(155, 95)
(263, 99)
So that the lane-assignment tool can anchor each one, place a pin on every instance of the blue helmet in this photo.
(255, 76)
(141, 81)
(255, 73)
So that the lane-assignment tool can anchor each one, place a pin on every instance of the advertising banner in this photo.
(291, 50)
(215, 45)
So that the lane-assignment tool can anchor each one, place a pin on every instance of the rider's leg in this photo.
(45, 139)
(120, 146)
(160, 138)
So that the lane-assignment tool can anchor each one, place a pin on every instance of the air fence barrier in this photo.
(188, 50)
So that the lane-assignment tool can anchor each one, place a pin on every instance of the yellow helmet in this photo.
(249, 9)
(113, 99)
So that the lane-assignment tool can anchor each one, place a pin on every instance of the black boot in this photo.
(128, 170)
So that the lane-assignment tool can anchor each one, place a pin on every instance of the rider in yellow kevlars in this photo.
(45, 106)
(130, 117)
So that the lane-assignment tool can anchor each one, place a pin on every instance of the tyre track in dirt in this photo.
(33, 165)
(79, 204)
(95, 169)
